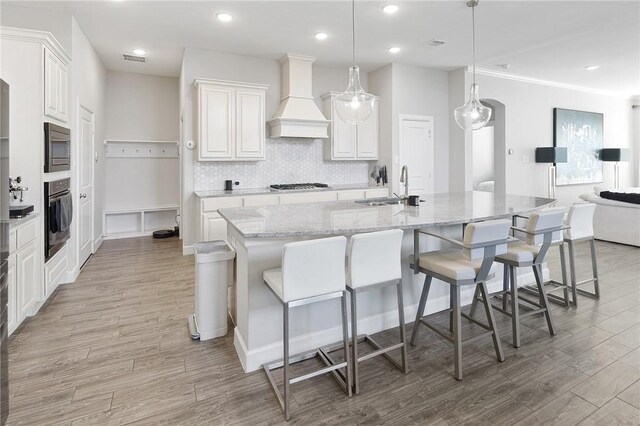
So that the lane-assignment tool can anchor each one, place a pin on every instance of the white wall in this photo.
(381, 83)
(32, 18)
(483, 148)
(406, 89)
(529, 124)
(88, 88)
(141, 107)
(225, 66)
(423, 91)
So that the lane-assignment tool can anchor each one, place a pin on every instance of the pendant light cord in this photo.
(353, 32)
(473, 39)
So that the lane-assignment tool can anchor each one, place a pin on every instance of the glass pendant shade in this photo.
(354, 105)
(472, 115)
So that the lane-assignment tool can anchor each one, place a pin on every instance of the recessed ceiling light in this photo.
(394, 49)
(224, 17)
(321, 36)
(390, 9)
(591, 67)
(139, 52)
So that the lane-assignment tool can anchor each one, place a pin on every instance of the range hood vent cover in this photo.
(297, 116)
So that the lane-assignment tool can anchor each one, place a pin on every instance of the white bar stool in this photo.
(580, 221)
(312, 271)
(543, 228)
(374, 261)
(469, 266)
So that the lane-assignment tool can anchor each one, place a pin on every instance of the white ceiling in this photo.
(548, 40)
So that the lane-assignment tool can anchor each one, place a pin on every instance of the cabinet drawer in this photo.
(215, 203)
(261, 200)
(351, 195)
(377, 193)
(308, 197)
(54, 269)
(26, 234)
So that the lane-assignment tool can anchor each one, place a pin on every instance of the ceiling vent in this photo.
(133, 58)
(433, 43)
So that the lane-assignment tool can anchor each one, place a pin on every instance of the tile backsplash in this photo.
(287, 161)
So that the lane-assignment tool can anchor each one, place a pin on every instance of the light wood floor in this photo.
(113, 348)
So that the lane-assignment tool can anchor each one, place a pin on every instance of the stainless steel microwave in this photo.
(57, 148)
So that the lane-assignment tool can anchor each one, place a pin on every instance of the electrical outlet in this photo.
(525, 159)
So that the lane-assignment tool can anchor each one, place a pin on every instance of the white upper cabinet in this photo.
(350, 141)
(250, 125)
(230, 120)
(56, 87)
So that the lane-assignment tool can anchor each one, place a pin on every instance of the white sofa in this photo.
(615, 221)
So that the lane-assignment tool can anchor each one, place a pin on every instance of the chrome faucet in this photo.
(404, 178)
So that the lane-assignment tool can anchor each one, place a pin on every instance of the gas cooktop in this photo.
(298, 186)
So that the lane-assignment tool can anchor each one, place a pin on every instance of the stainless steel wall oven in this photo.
(58, 213)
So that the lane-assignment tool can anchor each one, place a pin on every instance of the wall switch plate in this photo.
(525, 158)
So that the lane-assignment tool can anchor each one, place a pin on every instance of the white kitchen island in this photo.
(259, 233)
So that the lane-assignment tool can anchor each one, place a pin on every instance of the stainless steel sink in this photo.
(390, 201)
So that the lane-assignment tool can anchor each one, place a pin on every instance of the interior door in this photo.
(85, 186)
(416, 152)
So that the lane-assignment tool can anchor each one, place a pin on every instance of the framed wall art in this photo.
(581, 133)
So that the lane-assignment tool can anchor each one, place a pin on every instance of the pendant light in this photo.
(354, 105)
(472, 115)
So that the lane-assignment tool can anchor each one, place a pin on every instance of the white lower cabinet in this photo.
(212, 226)
(27, 274)
(23, 273)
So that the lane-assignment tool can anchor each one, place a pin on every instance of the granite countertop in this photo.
(348, 217)
(22, 220)
(259, 191)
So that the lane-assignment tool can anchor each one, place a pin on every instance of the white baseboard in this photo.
(253, 360)
(70, 277)
(98, 243)
(187, 250)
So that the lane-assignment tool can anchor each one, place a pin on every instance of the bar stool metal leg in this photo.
(497, 344)
(457, 331)
(285, 360)
(403, 338)
(474, 303)
(572, 269)
(515, 308)
(594, 266)
(421, 306)
(354, 341)
(563, 268)
(505, 286)
(451, 297)
(544, 301)
(345, 341)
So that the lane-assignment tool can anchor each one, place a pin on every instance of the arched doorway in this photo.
(490, 151)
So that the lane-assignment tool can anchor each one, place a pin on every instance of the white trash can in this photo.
(214, 274)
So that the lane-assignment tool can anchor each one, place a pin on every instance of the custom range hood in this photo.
(297, 116)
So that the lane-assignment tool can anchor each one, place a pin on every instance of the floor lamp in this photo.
(551, 156)
(615, 155)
